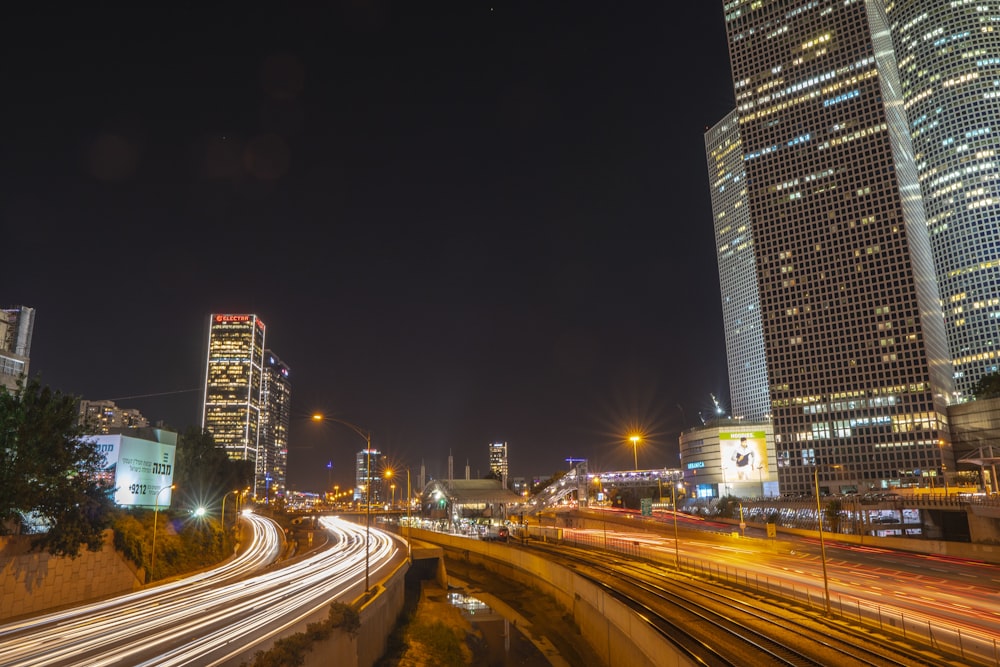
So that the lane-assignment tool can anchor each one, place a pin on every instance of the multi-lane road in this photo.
(211, 618)
(954, 603)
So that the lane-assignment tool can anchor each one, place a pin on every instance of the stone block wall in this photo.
(32, 582)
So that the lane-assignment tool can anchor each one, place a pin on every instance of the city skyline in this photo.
(461, 226)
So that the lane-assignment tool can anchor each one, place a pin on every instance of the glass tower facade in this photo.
(737, 272)
(233, 380)
(367, 478)
(857, 362)
(949, 65)
(276, 399)
(498, 460)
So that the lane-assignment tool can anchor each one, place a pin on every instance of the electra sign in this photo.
(232, 318)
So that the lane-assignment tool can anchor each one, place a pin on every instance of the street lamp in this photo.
(822, 541)
(677, 551)
(409, 501)
(236, 492)
(635, 453)
(368, 495)
(156, 514)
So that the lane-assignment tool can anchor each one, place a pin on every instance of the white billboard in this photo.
(140, 470)
(744, 456)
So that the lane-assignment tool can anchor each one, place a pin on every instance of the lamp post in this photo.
(677, 551)
(409, 501)
(635, 452)
(822, 541)
(156, 514)
(236, 495)
(368, 485)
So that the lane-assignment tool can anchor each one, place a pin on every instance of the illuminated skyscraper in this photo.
(857, 361)
(737, 272)
(233, 379)
(366, 475)
(498, 461)
(276, 398)
(16, 327)
(949, 65)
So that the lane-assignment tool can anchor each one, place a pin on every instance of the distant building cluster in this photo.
(856, 202)
(104, 416)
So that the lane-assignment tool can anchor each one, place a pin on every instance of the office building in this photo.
(748, 389)
(857, 361)
(949, 67)
(233, 380)
(367, 477)
(498, 461)
(16, 327)
(272, 456)
(103, 416)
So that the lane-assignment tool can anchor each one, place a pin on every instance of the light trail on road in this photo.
(206, 622)
(959, 598)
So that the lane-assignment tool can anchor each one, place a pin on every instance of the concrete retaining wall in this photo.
(619, 636)
(368, 645)
(32, 582)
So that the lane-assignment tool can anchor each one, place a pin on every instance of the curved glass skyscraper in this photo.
(948, 54)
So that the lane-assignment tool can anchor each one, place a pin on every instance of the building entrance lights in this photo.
(318, 417)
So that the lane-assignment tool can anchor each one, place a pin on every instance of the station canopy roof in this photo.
(473, 491)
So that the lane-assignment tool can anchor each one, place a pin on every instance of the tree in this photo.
(988, 386)
(202, 469)
(50, 472)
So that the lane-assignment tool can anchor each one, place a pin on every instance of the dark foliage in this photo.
(50, 472)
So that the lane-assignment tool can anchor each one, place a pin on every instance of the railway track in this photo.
(715, 626)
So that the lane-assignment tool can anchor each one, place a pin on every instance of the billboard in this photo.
(744, 456)
(140, 470)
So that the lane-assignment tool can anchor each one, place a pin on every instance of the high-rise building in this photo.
(104, 416)
(16, 327)
(272, 455)
(498, 461)
(949, 67)
(857, 361)
(233, 380)
(366, 477)
(734, 246)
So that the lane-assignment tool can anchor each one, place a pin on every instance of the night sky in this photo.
(462, 223)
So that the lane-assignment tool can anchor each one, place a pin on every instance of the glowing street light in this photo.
(635, 452)
(368, 495)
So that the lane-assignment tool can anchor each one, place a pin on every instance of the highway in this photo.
(207, 619)
(955, 600)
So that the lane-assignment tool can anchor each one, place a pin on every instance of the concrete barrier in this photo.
(362, 649)
(616, 633)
